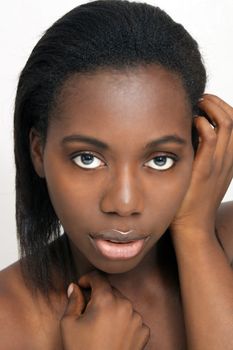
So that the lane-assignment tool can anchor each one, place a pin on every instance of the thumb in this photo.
(76, 301)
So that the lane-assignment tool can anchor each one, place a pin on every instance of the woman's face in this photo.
(137, 174)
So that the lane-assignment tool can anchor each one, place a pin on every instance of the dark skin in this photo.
(118, 192)
(125, 191)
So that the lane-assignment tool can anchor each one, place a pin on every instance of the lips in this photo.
(115, 244)
(118, 236)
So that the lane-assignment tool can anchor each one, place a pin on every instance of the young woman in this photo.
(121, 164)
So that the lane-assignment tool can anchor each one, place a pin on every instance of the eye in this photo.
(86, 160)
(161, 162)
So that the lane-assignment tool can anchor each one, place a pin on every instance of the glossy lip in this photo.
(119, 236)
(119, 251)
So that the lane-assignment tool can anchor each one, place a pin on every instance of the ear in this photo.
(36, 150)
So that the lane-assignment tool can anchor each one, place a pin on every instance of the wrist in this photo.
(193, 238)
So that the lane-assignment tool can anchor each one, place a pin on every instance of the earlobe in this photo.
(36, 151)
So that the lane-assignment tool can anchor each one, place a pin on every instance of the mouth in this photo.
(118, 236)
(114, 247)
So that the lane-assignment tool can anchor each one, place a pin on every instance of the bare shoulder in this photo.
(224, 224)
(25, 323)
(17, 317)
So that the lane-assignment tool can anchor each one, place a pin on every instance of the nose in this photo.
(124, 195)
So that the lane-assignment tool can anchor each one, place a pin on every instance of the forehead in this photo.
(143, 99)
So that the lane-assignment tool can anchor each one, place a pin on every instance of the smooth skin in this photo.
(111, 320)
(125, 191)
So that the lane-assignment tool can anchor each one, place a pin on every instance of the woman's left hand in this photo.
(212, 170)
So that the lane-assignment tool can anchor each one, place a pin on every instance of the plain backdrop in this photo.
(22, 23)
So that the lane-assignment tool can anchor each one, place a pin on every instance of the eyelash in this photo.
(172, 158)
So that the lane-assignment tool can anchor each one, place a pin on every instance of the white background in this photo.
(22, 23)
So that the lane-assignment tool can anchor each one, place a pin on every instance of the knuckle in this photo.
(228, 124)
(137, 318)
(126, 306)
(104, 300)
(211, 138)
(219, 102)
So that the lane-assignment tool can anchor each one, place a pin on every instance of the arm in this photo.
(206, 282)
(224, 226)
(206, 277)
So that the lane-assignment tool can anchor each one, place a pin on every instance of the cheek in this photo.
(167, 198)
(73, 200)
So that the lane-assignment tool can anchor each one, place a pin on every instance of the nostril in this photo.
(114, 203)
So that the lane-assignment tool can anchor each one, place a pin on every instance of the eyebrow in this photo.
(104, 146)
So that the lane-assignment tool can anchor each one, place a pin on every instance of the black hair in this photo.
(114, 34)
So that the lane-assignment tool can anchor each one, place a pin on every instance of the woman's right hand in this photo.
(109, 320)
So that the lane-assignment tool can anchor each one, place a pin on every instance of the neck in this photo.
(142, 278)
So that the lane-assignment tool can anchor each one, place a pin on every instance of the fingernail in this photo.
(201, 99)
(70, 290)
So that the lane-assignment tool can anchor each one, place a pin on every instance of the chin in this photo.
(117, 267)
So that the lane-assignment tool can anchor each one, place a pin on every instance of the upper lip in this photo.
(116, 235)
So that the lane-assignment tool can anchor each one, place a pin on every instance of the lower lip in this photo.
(119, 250)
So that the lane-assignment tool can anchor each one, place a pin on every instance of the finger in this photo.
(76, 302)
(224, 125)
(205, 153)
(228, 153)
(218, 115)
(219, 102)
(98, 283)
